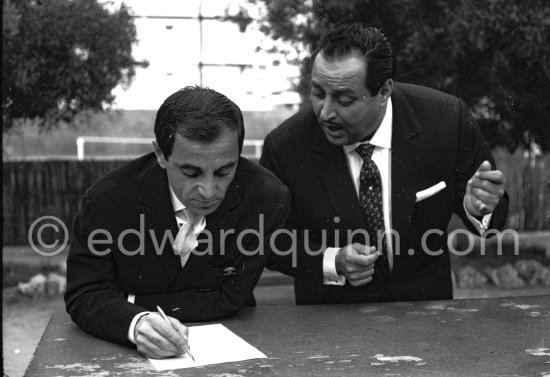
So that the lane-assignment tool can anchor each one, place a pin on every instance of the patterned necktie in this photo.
(186, 240)
(370, 198)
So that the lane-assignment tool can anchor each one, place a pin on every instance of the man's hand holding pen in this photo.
(155, 338)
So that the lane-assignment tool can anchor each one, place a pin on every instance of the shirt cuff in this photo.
(482, 225)
(133, 326)
(330, 276)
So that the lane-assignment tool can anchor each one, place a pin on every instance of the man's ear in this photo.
(385, 92)
(160, 156)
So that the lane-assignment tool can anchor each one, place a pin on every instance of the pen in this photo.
(161, 312)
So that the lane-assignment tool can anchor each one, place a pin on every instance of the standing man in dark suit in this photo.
(183, 228)
(373, 157)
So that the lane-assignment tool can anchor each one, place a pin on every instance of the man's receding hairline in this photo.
(223, 131)
(352, 53)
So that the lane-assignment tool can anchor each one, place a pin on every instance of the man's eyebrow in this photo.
(345, 91)
(226, 166)
(187, 165)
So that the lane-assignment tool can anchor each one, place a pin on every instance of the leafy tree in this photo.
(494, 54)
(62, 57)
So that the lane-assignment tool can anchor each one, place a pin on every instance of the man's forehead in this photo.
(219, 153)
(340, 75)
(343, 63)
(225, 137)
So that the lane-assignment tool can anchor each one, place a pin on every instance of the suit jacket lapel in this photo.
(409, 166)
(329, 163)
(160, 219)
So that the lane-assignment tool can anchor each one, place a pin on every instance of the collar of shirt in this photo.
(199, 223)
(382, 136)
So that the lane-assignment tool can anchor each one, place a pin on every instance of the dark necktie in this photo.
(370, 199)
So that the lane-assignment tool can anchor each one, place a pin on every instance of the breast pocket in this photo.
(434, 209)
(430, 191)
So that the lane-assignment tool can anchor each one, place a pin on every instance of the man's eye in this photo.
(222, 173)
(345, 101)
(190, 174)
(317, 93)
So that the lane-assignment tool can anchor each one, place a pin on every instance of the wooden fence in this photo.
(528, 186)
(32, 189)
(40, 188)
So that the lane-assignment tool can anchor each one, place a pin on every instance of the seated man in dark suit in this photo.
(373, 157)
(183, 228)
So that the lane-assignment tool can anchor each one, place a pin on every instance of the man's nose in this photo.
(207, 188)
(327, 110)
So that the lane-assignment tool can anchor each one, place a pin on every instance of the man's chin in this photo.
(205, 210)
(336, 139)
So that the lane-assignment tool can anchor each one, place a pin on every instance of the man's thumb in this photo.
(485, 166)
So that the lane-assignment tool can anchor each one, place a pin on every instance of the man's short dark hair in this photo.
(198, 114)
(358, 39)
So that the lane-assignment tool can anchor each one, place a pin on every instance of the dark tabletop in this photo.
(489, 337)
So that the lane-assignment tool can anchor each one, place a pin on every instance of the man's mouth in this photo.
(207, 203)
(332, 127)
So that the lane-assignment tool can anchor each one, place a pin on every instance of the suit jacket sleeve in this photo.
(292, 260)
(93, 297)
(235, 290)
(472, 151)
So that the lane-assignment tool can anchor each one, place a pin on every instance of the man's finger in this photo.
(361, 275)
(150, 349)
(363, 260)
(488, 186)
(358, 283)
(172, 342)
(486, 196)
(493, 176)
(363, 249)
(181, 330)
(162, 341)
(155, 329)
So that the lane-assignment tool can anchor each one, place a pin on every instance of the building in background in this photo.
(193, 42)
(186, 42)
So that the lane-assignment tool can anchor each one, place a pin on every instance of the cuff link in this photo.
(229, 271)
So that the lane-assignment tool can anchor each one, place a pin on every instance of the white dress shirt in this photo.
(199, 223)
(381, 156)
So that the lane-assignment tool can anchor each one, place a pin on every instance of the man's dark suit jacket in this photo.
(433, 140)
(212, 285)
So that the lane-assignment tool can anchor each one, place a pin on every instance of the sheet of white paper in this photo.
(210, 344)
